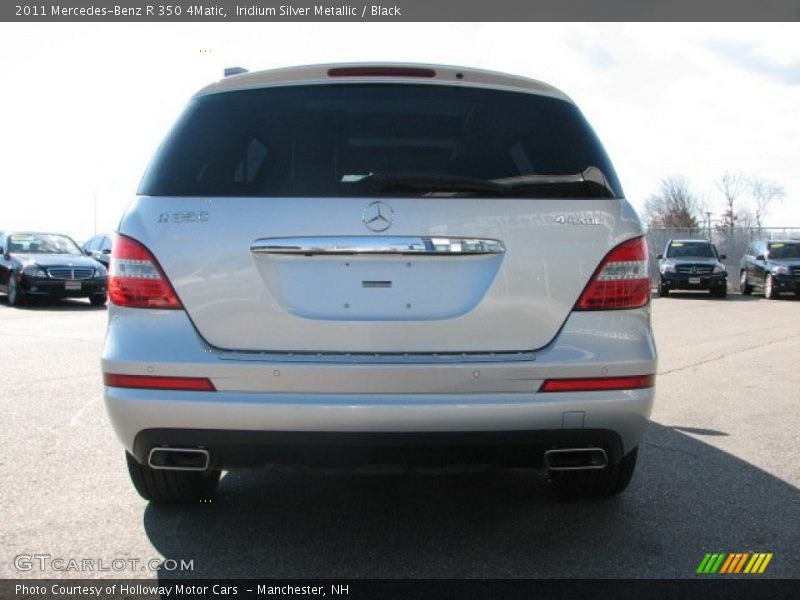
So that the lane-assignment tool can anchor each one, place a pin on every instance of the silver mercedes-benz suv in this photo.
(412, 264)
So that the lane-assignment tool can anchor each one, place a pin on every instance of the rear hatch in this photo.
(380, 217)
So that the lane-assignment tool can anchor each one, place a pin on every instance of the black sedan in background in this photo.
(772, 267)
(48, 264)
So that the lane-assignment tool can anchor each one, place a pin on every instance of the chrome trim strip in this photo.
(385, 358)
(380, 245)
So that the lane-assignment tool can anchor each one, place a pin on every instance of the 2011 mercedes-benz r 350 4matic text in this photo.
(369, 263)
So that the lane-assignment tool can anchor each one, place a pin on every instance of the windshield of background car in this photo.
(781, 251)
(323, 140)
(38, 243)
(691, 250)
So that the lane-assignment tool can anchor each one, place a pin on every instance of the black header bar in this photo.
(277, 11)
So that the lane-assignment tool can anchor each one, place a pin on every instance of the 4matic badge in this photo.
(184, 217)
(578, 219)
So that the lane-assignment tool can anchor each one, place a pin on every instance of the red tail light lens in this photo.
(147, 382)
(597, 384)
(621, 280)
(135, 278)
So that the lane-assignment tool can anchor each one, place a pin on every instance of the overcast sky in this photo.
(84, 106)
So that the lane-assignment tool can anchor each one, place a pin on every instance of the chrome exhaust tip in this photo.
(179, 459)
(568, 459)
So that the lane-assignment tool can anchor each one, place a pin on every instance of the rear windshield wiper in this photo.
(589, 184)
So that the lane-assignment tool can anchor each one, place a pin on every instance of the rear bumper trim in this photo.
(236, 449)
(133, 411)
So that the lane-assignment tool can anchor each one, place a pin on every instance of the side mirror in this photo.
(659, 256)
(723, 256)
(760, 257)
(87, 252)
(107, 251)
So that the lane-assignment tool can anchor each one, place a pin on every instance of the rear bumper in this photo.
(268, 401)
(252, 421)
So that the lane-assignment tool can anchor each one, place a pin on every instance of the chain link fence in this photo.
(732, 243)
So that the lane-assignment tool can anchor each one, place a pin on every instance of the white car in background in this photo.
(344, 264)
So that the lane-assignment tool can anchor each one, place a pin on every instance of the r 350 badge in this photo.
(183, 217)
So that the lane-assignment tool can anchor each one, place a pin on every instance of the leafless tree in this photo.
(763, 192)
(745, 217)
(731, 186)
(674, 206)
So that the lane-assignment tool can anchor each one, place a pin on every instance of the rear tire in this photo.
(172, 487)
(16, 295)
(98, 300)
(770, 291)
(595, 483)
(743, 286)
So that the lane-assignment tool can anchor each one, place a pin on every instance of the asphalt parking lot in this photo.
(718, 472)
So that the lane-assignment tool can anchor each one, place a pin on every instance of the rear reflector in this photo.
(381, 72)
(135, 278)
(147, 382)
(621, 280)
(597, 384)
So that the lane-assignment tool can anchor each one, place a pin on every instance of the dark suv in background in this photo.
(772, 267)
(692, 265)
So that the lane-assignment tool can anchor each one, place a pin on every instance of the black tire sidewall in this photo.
(15, 294)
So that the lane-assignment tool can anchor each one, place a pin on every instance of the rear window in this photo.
(329, 140)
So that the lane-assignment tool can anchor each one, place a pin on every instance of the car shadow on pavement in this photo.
(686, 498)
(53, 304)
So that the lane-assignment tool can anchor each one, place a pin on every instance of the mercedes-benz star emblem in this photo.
(378, 216)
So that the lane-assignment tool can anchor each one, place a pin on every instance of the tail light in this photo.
(598, 384)
(135, 278)
(621, 280)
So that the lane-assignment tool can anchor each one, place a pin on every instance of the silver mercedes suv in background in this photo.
(413, 264)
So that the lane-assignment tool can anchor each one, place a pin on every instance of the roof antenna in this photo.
(234, 71)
